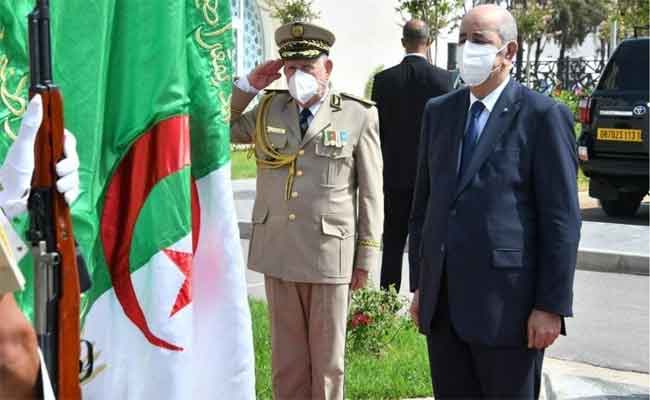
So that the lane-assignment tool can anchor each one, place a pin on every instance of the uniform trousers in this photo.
(397, 208)
(308, 325)
(462, 370)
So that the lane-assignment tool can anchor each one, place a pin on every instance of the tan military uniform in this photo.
(314, 220)
(320, 233)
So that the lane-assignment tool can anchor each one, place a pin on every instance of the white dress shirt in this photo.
(416, 54)
(489, 102)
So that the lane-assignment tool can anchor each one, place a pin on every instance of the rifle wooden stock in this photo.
(48, 151)
(56, 275)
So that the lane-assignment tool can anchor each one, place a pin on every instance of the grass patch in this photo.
(402, 372)
(242, 166)
(583, 182)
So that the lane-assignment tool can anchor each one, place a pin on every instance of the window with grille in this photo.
(248, 34)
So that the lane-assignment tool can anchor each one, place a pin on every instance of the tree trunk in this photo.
(561, 65)
(538, 53)
(529, 47)
(435, 56)
(520, 58)
(520, 42)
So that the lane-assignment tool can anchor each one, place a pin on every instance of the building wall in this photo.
(368, 35)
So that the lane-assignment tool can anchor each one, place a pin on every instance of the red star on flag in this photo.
(184, 263)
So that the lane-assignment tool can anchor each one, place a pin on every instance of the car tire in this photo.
(626, 205)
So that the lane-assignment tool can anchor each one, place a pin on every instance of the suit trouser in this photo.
(473, 371)
(397, 208)
(308, 323)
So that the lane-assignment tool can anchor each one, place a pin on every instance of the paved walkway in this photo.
(565, 380)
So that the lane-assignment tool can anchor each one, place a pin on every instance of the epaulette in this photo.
(361, 100)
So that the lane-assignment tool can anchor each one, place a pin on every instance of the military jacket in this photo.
(327, 218)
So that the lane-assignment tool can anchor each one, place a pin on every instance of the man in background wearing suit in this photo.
(401, 93)
(495, 223)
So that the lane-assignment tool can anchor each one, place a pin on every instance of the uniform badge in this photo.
(344, 136)
(297, 30)
(330, 138)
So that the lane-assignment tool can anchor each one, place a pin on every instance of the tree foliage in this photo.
(573, 20)
(628, 14)
(437, 14)
(287, 11)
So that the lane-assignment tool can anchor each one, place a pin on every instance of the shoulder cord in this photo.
(274, 158)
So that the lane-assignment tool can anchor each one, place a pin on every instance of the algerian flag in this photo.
(146, 88)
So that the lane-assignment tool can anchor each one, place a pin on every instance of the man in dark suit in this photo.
(495, 223)
(401, 93)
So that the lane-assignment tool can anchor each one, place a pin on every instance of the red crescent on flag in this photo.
(160, 152)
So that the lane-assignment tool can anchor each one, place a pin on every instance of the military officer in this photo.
(20, 374)
(317, 217)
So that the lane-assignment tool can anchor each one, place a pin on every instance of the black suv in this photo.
(613, 147)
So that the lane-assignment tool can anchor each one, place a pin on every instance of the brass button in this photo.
(301, 153)
(294, 195)
(292, 217)
(299, 173)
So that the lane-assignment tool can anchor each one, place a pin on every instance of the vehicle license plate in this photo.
(619, 135)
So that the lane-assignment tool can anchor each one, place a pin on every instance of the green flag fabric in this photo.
(146, 88)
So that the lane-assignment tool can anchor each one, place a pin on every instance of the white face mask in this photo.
(476, 62)
(303, 86)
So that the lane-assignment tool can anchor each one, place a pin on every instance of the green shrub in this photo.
(374, 320)
(367, 93)
(569, 99)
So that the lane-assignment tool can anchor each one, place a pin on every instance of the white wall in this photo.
(368, 34)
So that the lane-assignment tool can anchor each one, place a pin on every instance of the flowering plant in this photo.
(374, 320)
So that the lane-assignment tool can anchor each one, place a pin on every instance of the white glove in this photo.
(18, 168)
(68, 169)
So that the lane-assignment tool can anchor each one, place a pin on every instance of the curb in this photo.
(588, 259)
(609, 261)
(563, 380)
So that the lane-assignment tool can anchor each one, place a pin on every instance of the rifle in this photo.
(56, 276)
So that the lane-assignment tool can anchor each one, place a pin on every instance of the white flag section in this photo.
(214, 329)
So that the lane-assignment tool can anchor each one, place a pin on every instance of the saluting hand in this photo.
(265, 74)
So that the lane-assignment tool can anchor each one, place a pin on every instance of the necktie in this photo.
(471, 136)
(304, 121)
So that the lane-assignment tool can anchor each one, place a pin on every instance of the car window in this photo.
(628, 67)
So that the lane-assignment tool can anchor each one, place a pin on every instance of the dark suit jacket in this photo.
(507, 231)
(401, 93)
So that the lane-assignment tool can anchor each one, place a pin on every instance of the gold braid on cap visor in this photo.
(273, 158)
(305, 48)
